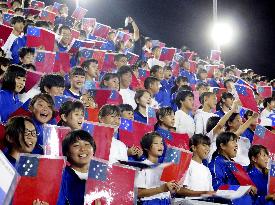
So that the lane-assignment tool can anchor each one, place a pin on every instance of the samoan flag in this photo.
(193, 66)
(247, 97)
(242, 112)
(79, 13)
(175, 139)
(32, 78)
(243, 82)
(37, 4)
(31, 11)
(108, 64)
(131, 131)
(215, 55)
(47, 16)
(56, 7)
(101, 30)
(179, 161)
(77, 44)
(122, 36)
(99, 56)
(105, 183)
(167, 54)
(103, 135)
(84, 54)
(188, 55)
(62, 62)
(7, 19)
(115, 98)
(210, 70)
(98, 44)
(39, 172)
(175, 68)
(5, 33)
(240, 174)
(151, 115)
(88, 24)
(132, 58)
(264, 137)
(44, 61)
(264, 91)
(143, 74)
(271, 179)
(59, 100)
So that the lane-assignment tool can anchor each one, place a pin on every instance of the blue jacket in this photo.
(9, 103)
(190, 76)
(72, 188)
(139, 117)
(109, 46)
(249, 134)
(19, 43)
(163, 97)
(213, 83)
(67, 92)
(220, 113)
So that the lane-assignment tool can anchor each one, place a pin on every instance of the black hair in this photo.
(63, 27)
(123, 70)
(73, 137)
(230, 120)
(15, 129)
(176, 82)
(25, 50)
(155, 69)
(198, 139)
(4, 62)
(181, 96)
(200, 85)
(268, 101)
(119, 56)
(17, 19)
(77, 70)
(149, 81)
(85, 65)
(147, 141)
(68, 107)
(162, 112)
(226, 81)
(223, 138)
(10, 75)
(107, 77)
(211, 123)
(139, 94)
(106, 110)
(29, 66)
(51, 80)
(83, 33)
(47, 98)
(247, 114)
(2, 53)
(228, 70)
(18, 10)
(125, 107)
(42, 24)
(224, 96)
(203, 95)
(185, 87)
(254, 151)
(200, 71)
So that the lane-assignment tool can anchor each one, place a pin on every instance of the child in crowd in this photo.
(126, 111)
(152, 85)
(72, 115)
(143, 100)
(90, 66)
(225, 104)
(202, 76)
(20, 137)
(269, 107)
(77, 79)
(208, 101)
(4, 64)
(52, 84)
(13, 83)
(26, 55)
(202, 87)
(150, 189)
(110, 81)
(155, 61)
(119, 61)
(216, 80)
(184, 123)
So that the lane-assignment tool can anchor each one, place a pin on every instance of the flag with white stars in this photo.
(126, 124)
(101, 30)
(272, 117)
(243, 82)
(56, 7)
(88, 24)
(79, 13)
(264, 91)
(59, 100)
(175, 67)
(113, 183)
(239, 173)
(84, 54)
(260, 131)
(37, 4)
(271, 179)
(47, 16)
(44, 61)
(180, 140)
(151, 115)
(37, 173)
(109, 60)
(7, 18)
(122, 36)
(143, 74)
(178, 161)
(247, 98)
(33, 31)
(167, 54)
(102, 135)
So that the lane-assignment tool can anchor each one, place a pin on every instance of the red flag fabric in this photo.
(99, 56)
(264, 91)
(74, 35)
(131, 132)
(47, 16)
(92, 114)
(44, 61)
(103, 135)
(218, 91)
(52, 139)
(79, 13)
(98, 44)
(62, 62)
(132, 58)
(151, 115)
(179, 160)
(271, 179)
(193, 66)
(106, 96)
(240, 174)
(40, 179)
(101, 30)
(175, 68)
(2, 136)
(88, 24)
(122, 36)
(32, 78)
(76, 44)
(215, 55)
(5, 33)
(108, 63)
(136, 83)
(40, 38)
(167, 54)
(247, 97)
(188, 55)
(210, 70)
(37, 4)
(112, 184)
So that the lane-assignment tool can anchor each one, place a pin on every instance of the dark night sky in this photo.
(186, 22)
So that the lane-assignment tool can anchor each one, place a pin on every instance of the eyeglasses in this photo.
(30, 133)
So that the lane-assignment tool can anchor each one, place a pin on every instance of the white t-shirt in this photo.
(213, 145)
(242, 153)
(265, 121)
(198, 177)
(81, 175)
(8, 44)
(154, 104)
(118, 151)
(128, 97)
(153, 61)
(150, 178)
(184, 123)
(201, 118)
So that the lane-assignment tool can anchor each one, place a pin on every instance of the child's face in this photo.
(128, 115)
(167, 74)
(77, 81)
(236, 123)
(88, 101)
(188, 103)
(156, 149)
(92, 70)
(155, 86)
(113, 119)
(202, 150)
(66, 36)
(168, 120)
(202, 90)
(261, 160)
(126, 79)
(55, 91)
(75, 119)
(30, 138)
(18, 27)
(271, 106)
(80, 153)
(28, 59)
(113, 83)
(121, 62)
(203, 76)
(181, 83)
(217, 73)
(228, 102)
(159, 74)
(144, 100)
(231, 148)
(42, 111)
(211, 101)
(19, 84)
